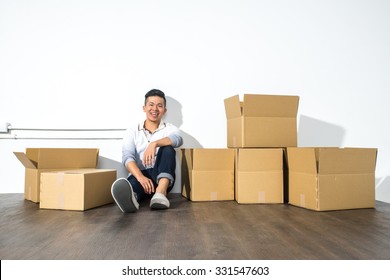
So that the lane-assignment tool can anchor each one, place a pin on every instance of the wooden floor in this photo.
(192, 230)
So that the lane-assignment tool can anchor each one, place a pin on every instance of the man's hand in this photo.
(150, 155)
(147, 184)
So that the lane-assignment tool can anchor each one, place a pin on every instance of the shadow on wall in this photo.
(106, 163)
(317, 133)
(174, 116)
(383, 188)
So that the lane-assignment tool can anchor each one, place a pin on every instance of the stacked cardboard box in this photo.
(318, 178)
(261, 121)
(251, 169)
(270, 168)
(207, 174)
(260, 128)
(50, 181)
(259, 175)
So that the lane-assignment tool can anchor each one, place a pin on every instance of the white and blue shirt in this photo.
(137, 139)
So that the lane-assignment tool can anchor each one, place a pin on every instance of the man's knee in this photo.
(167, 151)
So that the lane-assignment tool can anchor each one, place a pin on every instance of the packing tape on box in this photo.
(61, 201)
(302, 200)
(261, 197)
(60, 179)
(213, 196)
(61, 196)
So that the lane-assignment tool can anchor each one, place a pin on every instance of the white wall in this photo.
(87, 64)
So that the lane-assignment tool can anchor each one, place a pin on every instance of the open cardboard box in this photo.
(79, 189)
(261, 121)
(332, 178)
(207, 174)
(259, 175)
(38, 160)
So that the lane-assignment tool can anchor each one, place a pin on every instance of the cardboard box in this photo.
(79, 189)
(261, 121)
(38, 160)
(207, 174)
(332, 178)
(259, 176)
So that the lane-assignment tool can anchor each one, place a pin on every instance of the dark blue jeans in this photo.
(164, 167)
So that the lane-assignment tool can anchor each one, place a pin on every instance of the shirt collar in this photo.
(160, 126)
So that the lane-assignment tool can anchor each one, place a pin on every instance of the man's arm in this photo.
(150, 152)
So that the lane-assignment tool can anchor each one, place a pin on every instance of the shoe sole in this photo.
(122, 192)
(158, 206)
(159, 203)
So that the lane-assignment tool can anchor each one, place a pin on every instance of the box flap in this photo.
(232, 107)
(302, 160)
(22, 157)
(56, 158)
(213, 159)
(258, 105)
(33, 155)
(347, 160)
(259, 160)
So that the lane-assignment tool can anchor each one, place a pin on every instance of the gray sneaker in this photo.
(159, 202)
(124, 196)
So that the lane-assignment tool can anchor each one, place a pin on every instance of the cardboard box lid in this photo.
(332, 160)
(233, 107)
(259, 159)
(212, 159)
(261, 105)
(24, 160)
(55, 158)
(302, 160)
(346, 160)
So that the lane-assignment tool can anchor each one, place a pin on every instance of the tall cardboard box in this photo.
(79, 189)
(259, 175)
(332, 178)
(207, 174)
(261, 121)
(38, 160)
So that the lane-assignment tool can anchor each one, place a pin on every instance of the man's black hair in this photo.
(155, 92)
